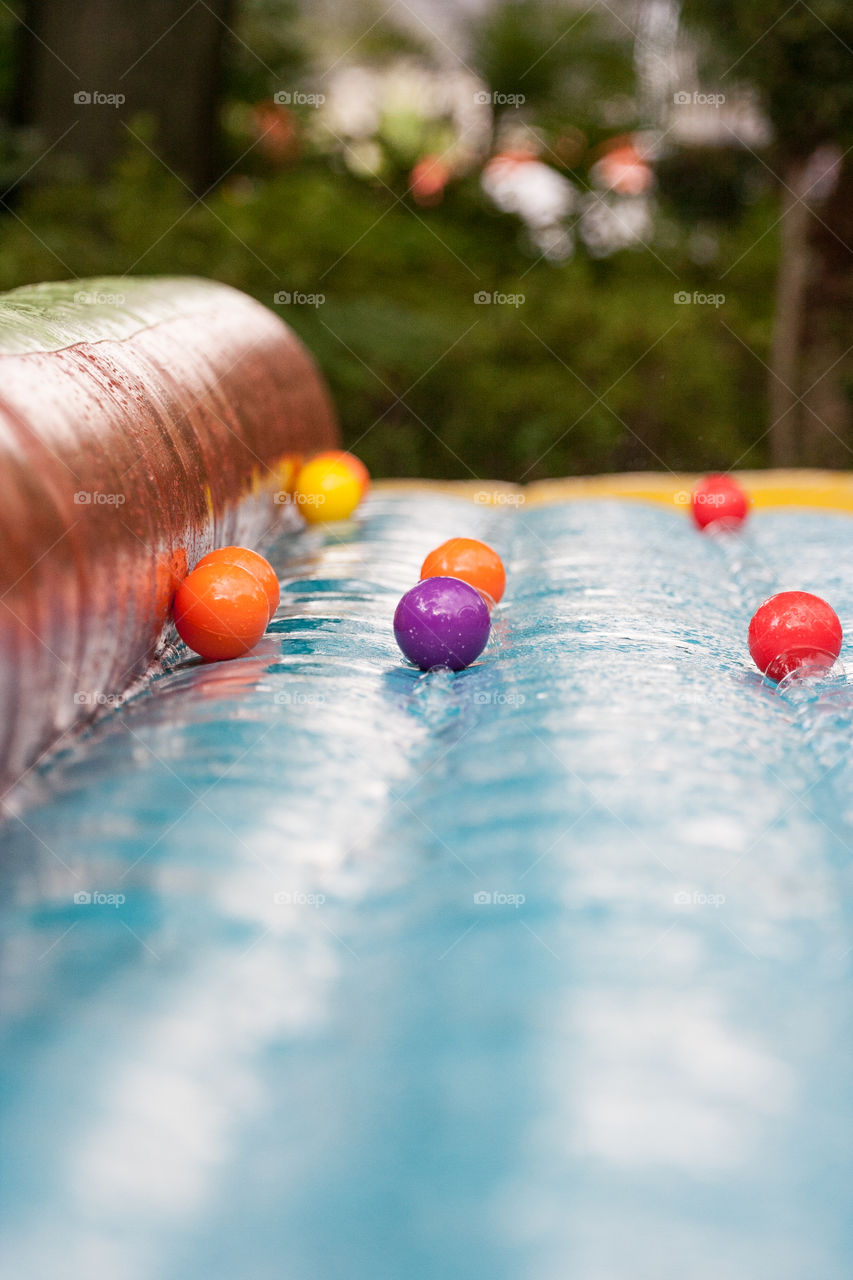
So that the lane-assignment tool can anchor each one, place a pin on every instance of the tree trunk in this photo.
(88, 67)
(828, 367)
(792, 280)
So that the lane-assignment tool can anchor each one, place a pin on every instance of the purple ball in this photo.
(442, 622)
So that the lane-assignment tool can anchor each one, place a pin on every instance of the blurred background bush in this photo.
(522, 239)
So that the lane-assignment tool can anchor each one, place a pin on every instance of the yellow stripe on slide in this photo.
(831, 490)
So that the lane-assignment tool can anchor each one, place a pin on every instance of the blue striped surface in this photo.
(538, 970)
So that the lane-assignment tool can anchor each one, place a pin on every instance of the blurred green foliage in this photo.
(798, 56)
(575, 67)
(597, 369)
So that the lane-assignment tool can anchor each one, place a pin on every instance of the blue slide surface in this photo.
(317, 967)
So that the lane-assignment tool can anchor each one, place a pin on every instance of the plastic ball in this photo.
(442, 622)
(256, 564)
(718, 499)
(221, 611)
(355, 465)
(793, 630)
(327, 489)
(472, 561)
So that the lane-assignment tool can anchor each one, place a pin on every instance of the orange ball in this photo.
(256, 564)
(356, 466)
(470, 560)
(221, 611)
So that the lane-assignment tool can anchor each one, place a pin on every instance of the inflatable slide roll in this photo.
(142, 422)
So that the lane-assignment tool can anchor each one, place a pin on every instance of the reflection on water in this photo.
(539, 969)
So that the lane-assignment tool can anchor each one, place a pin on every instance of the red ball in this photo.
(791, 630)
(718, 498)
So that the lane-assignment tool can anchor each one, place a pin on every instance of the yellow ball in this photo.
(326, 490)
